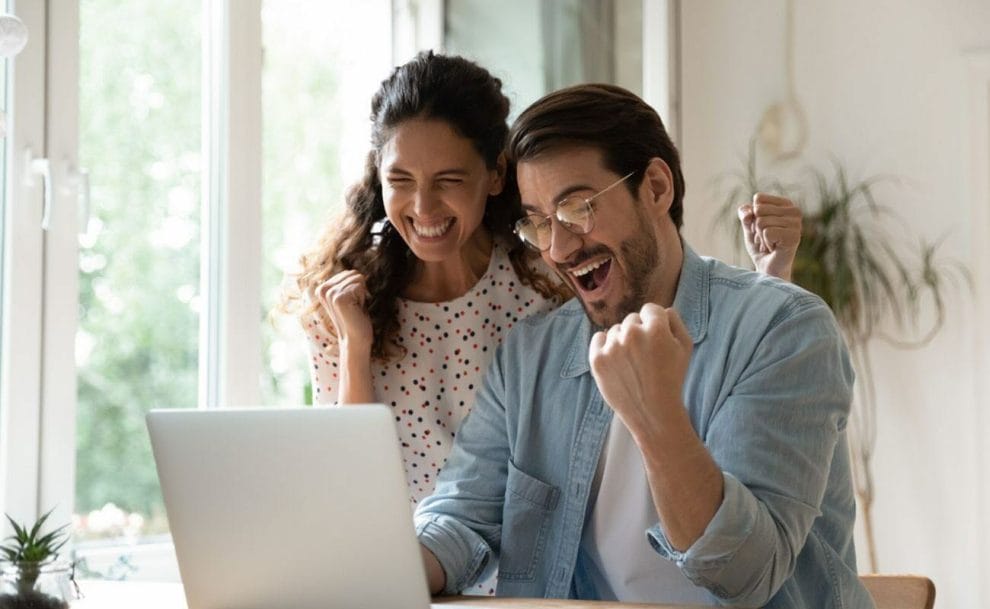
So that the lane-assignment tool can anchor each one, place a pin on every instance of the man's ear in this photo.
(498, 175)
(660, 182)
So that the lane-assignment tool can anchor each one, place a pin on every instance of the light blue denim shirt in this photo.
(768, 391)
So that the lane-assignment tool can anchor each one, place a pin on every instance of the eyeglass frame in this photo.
(591, 214)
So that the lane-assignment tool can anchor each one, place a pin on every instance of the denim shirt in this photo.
(768, 391)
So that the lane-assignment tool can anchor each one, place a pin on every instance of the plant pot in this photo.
(31, 585)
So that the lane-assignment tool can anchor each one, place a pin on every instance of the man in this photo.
(722, 477)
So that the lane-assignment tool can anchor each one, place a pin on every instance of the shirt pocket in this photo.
(529, 502)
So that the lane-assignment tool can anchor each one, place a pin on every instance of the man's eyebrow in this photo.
(563, 194)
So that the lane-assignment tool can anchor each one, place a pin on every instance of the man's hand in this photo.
(772, 232)
(640, 366)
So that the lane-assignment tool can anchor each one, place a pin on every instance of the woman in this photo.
(407, 296)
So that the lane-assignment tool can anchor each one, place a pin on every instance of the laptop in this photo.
(303, 508)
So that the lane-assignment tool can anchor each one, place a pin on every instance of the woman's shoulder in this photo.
(534, 263)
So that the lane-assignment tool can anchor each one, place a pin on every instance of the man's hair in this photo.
(626, 130)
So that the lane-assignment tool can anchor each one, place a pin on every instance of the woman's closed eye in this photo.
(397, 182)
(449, 182)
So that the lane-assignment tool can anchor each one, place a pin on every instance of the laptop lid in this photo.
(304, 508)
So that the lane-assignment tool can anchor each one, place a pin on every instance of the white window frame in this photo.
(60, 297)
(230, 273)
(417, 25)
(662, 61)
(36, 461)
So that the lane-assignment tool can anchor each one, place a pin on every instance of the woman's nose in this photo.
(425, 200)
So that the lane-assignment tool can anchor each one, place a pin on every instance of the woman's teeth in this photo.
(434, 230)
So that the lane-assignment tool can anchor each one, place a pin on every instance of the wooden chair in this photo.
(900, 591)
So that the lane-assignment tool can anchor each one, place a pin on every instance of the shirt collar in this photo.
(690, 302)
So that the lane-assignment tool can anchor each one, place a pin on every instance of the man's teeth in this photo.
(584, 270)
(432, 231)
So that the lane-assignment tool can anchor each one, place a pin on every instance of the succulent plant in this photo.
(30, 545)
(29, 550)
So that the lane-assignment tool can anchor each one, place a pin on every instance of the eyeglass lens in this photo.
(573, 213)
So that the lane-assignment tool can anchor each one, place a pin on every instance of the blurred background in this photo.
(183, 154)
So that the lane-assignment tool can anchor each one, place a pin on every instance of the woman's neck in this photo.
(454, 277)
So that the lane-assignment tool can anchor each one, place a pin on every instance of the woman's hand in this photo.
(344, 297)
(772, 232)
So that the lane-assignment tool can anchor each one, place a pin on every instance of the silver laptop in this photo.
(300, 508)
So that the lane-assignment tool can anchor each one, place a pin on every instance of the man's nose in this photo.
(563, 243)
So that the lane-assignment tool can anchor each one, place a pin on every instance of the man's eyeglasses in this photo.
(576, 214)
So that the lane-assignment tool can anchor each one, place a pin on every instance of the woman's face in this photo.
(435, 186)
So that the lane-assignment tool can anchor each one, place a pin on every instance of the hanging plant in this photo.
(848, 257)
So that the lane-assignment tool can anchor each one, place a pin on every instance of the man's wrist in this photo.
(435, 577)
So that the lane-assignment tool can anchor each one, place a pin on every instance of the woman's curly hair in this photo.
(437, 87)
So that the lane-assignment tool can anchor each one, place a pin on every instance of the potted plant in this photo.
(865, 276)
(32, 575)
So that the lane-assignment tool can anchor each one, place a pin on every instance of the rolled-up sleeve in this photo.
(774, 436)
(462, 553)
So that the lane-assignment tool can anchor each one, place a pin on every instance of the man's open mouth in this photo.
(592, 275)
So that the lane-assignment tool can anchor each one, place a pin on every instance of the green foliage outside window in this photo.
(140, 70)
(140, 137)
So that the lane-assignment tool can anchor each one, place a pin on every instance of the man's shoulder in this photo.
(734, 303)
(560, 324)
(734, 287)
(569, 313)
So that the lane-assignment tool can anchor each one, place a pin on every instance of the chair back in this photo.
(900, 591)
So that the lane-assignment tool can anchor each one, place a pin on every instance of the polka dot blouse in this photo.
(449, 346)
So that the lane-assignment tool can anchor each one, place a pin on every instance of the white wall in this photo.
(887, 88)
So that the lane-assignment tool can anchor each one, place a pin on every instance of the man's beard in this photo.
(640, 257)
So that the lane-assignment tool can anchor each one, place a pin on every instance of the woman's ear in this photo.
(660, 182)
(497, 183)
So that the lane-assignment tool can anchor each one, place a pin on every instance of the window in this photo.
(555, 43)
(23, 197)
(134, 296)
(310, 70)
(139, 341)
(136, 346)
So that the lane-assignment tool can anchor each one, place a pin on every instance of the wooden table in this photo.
(127, 595)
(466, 602)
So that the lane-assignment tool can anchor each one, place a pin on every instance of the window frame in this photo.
(23, 294)
(230, 273)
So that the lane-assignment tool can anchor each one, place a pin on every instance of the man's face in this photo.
(621, 264)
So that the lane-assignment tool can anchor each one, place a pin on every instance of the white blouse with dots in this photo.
(449, 346)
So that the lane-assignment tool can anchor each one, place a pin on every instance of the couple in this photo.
(672, 433)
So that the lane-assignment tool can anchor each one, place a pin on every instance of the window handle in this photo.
(39, 166)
